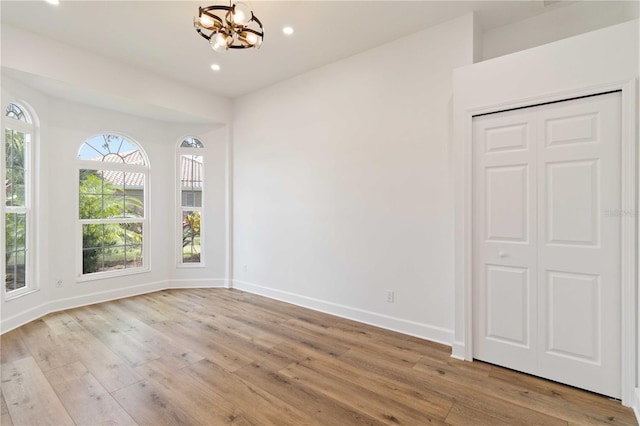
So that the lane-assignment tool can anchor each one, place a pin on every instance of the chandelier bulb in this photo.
(219, 42)
(222, 39)
(206, 21)
(252, 38)
(241, 13)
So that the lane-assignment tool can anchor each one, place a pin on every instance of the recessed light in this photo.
(53, 1)
(287, 30)
(215, 67)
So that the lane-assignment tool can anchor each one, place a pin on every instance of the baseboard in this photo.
(636, 405)
(22, 318)
(458, 350)
(198, 283)
(32, 314)
(105, 296)
(412, 328)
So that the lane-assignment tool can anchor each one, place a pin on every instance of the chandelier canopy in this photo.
(229, 27)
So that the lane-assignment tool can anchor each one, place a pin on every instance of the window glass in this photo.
(111, 207)
(16, 152)
(190, 209)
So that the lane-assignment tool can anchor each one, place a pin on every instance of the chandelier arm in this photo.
(218, 7)
(205, 36)
(251, 30)
(255, 18)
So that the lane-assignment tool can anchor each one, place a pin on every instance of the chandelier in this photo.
(229, 27)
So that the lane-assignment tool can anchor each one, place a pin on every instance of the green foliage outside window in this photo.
(191, 237)
(108, 246)
(15, 231)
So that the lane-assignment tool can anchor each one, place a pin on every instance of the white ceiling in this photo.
(158, 36)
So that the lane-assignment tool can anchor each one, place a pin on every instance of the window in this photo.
(190, 164)
(113, 175)
(17, 203)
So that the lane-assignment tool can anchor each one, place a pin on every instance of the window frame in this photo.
(119, 167)
(27, 127)
(180, 209)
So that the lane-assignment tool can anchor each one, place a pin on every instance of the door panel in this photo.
(579, 128)
(508, 137)
(546, 255)
(507, 203)
(573, 200)
(579, 249)
(505, 267)
(508, 305)
(577, 335)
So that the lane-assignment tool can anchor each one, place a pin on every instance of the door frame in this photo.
(630, 212)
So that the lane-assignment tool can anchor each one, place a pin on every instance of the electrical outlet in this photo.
(390, 296)
(59, 283)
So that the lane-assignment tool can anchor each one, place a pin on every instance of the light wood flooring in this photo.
(217, 356)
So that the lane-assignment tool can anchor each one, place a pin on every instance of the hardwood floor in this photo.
(217, 356)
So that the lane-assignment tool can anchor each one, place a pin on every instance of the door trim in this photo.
(630, 214)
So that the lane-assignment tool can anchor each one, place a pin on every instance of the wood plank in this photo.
(29, 396)
(416, 397)
(259, 406)
(148, 405)
(129, 349)
(47, 348)
(148, 336)
(190, 396)
(12, 347)
(452, 366)
(361, 340)
(85, 399)
(108, 368)
(209, 333)
(3, 404)
(318, 343)
(579, 406)
(5, 420)
(61, 322)
(474, 397)
(551, 405)
(381, 407)
(240, 329)
(463, 415)
(314, 404)
(5, 417)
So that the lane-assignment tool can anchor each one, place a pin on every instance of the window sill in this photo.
(112, 274)
(190, 265)
(9, 297)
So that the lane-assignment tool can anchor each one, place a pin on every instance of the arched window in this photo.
(17, 200)
(113, 175)
(190, 190)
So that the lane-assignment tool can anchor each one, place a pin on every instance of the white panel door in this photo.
(505, 233)
(546, 249)
(579, 196)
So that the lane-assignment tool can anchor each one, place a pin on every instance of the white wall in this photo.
(556, 24)
(342, 187)
(65, 126)
(590, 63)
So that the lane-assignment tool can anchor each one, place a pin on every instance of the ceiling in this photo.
(158, 36)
